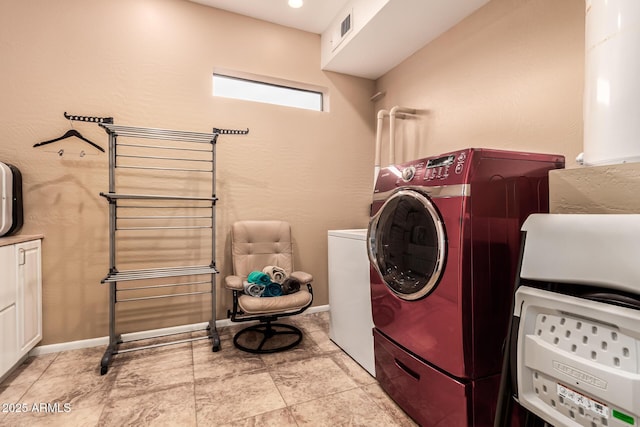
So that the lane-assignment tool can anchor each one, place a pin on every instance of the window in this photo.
(253, 90)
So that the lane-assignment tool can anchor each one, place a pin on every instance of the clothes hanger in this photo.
(70, 133)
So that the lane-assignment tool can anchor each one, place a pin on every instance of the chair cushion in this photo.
(291, 302)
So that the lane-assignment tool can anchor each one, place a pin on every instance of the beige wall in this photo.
(510, 76)
(610, 189)
(149, 63)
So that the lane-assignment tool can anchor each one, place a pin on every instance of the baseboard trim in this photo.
(94, 342)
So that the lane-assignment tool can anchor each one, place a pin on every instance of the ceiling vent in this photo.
(342, 31)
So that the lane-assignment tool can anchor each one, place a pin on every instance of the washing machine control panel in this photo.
(446, 169)
(441, 167)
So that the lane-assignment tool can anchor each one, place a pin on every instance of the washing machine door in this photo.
(407, 244)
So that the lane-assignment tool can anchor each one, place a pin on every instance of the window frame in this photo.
(262, 81)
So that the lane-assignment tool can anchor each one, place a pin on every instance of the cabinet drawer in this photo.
(430, 396)
(424, 393)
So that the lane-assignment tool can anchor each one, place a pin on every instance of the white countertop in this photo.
(12, 240)
(358, 234)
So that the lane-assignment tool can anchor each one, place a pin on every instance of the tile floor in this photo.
(187, 384)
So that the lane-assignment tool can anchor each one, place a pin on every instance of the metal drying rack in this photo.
(194, 212)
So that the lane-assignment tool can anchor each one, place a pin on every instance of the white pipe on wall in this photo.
(393, 114)
(396, 112)
(376, 167)
(612, 85)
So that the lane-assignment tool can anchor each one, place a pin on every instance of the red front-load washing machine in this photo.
(443, 241)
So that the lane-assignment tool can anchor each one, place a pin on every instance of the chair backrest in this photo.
(257, 244)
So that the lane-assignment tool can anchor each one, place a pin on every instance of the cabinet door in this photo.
(8, 336)
(8, 339)
(29, 303)
(7, 276)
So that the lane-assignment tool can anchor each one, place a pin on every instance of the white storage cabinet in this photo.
(20, 298)
(351, 324)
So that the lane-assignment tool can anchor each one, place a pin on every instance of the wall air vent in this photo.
(345, 26)
(341, 31)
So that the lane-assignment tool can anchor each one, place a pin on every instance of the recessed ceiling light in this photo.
(295, 3)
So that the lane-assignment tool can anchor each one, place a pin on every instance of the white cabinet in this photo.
(9, 340)
(351, 322)
(7, 275)
(20, 298)
(8, 330)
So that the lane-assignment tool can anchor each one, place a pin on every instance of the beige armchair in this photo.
(254, 246)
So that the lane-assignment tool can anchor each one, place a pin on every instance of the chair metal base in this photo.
(266, 333)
